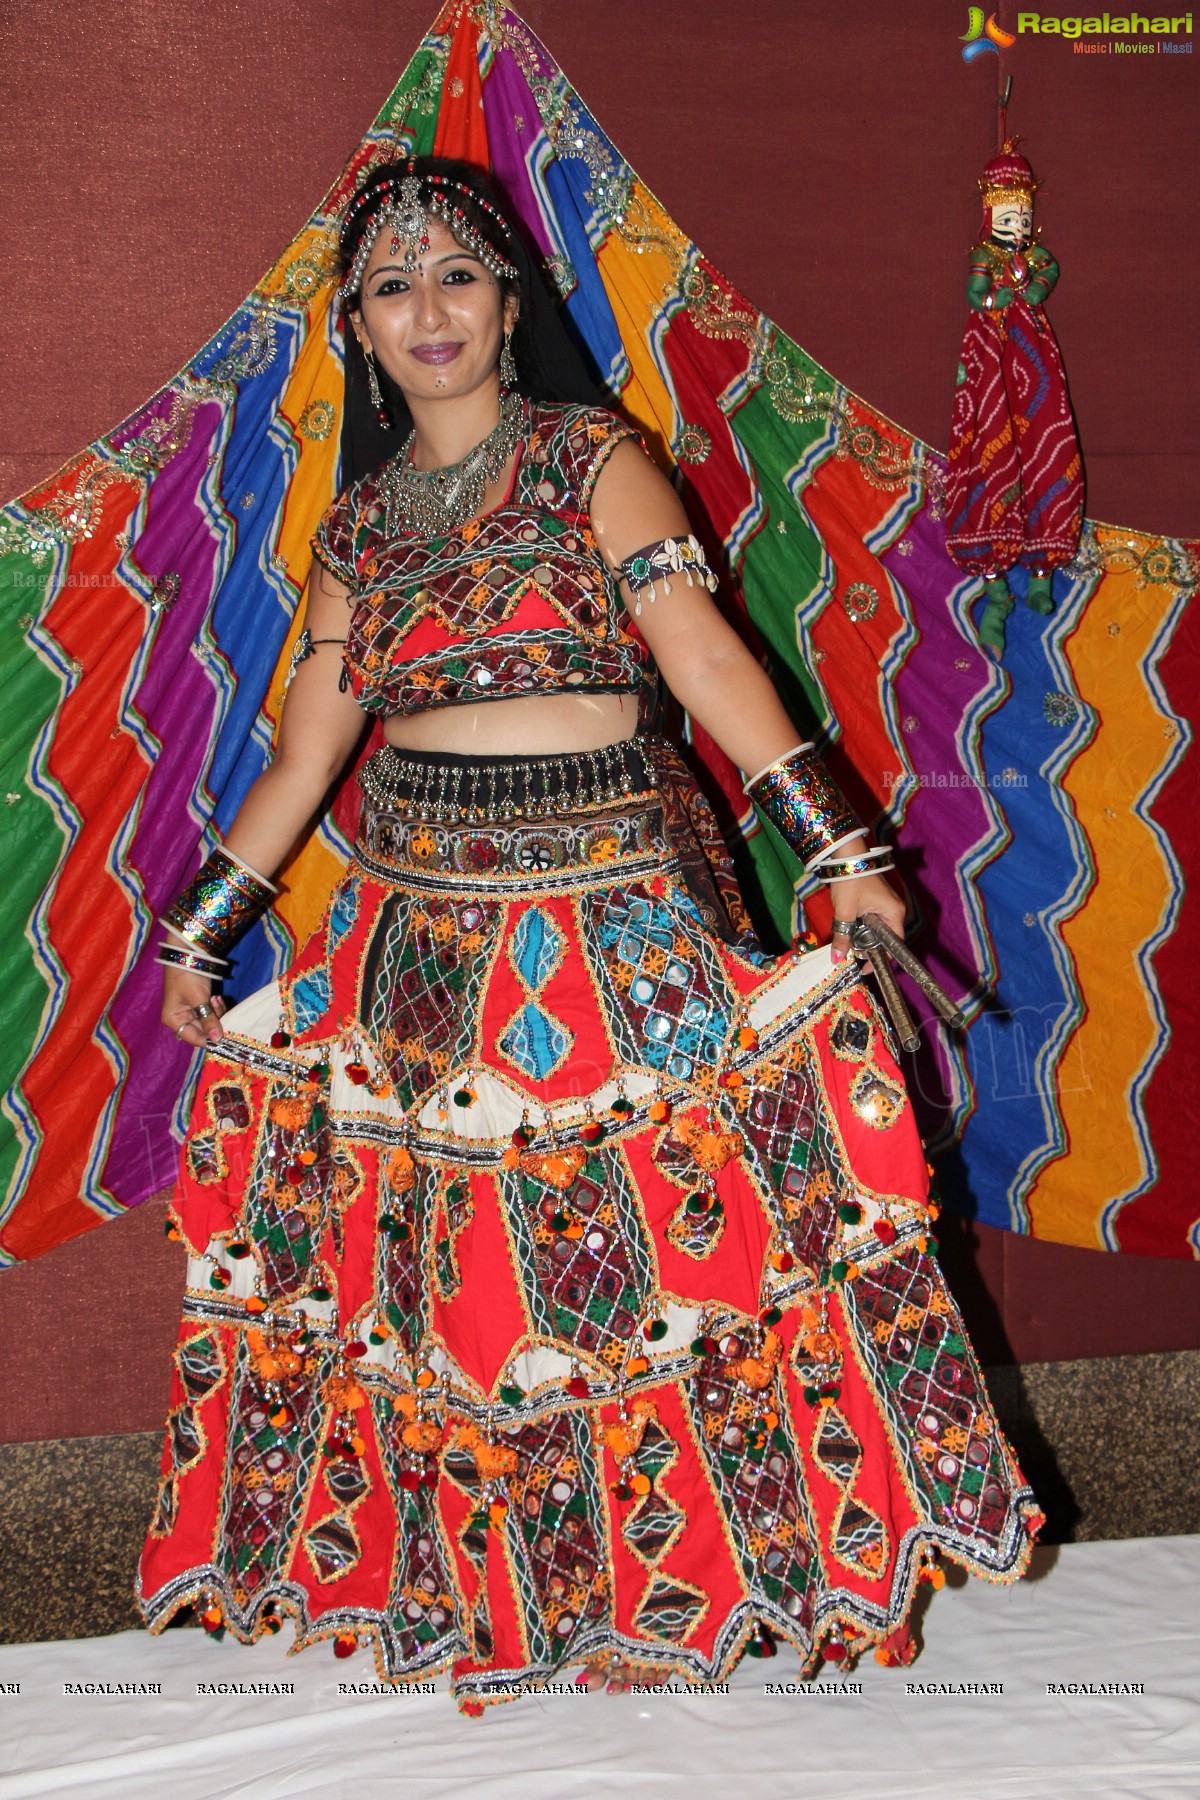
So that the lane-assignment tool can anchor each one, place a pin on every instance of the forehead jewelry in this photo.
(409, 216)
(409, 222)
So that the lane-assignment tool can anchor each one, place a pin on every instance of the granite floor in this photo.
(1111, 1446)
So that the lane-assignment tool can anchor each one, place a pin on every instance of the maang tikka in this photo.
(409, 222)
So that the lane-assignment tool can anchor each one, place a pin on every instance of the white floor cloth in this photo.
(1113, 1613)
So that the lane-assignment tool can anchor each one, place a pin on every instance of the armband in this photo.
(670, 556)
(307, 645)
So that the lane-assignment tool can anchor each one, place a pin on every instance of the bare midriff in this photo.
(527, 725)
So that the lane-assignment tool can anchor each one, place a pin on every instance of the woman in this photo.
(560, 1290)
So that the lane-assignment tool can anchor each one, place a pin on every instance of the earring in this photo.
(508, 364)
(377, 400)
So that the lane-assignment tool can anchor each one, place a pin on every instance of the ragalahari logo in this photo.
(982, 36)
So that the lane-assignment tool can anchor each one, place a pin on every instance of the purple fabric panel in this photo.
(179, 708)
(506, 96)
(942, 824)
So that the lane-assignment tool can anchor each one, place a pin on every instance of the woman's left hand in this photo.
(866, 893)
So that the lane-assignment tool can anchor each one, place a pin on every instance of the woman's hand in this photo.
(190, 1008)
(866, 893)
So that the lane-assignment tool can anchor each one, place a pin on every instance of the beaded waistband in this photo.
(434, 819)
(442, 787)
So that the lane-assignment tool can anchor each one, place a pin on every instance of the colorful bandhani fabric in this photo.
(1014, 486)
(150, 590)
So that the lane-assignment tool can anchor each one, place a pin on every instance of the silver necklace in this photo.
(435, 502)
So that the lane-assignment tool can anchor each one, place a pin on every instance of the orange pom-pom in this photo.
(290, 1111)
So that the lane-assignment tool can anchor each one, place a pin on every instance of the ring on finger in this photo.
(180, 1029)
(843, 927)
(203, 1011)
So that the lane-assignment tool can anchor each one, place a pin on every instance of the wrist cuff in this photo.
(804, 804)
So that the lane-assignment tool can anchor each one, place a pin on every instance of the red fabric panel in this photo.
(461, 131)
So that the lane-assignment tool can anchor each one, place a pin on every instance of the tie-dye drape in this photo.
(150, 590)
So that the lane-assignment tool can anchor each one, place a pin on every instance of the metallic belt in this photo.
(495, 791)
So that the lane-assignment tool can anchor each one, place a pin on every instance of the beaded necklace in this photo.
(435, 502)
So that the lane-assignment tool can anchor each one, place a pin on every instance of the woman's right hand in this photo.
(184, 993)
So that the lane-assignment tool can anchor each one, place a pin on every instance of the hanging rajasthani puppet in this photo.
(1014, 487)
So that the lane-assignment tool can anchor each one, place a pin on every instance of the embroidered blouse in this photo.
(516, 602)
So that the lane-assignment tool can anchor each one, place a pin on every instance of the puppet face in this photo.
(1012, 223)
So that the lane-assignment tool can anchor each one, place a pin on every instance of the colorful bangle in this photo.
(670, 556)
(194, 960)
(818, 862)
(805, 805)
(850, 868)
(217, 906)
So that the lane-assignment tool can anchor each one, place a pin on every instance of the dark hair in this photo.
(551, 363)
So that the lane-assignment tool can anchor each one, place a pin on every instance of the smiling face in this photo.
(437, 329)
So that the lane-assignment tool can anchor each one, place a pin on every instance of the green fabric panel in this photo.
(33, 833)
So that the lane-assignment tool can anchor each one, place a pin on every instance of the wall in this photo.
(825, 157)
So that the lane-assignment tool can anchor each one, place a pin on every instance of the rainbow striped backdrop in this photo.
(151, 590)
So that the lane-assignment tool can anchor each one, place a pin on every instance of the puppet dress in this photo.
(1014, 479)
(561, 1284)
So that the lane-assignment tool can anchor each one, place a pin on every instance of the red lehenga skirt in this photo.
(560, 1284)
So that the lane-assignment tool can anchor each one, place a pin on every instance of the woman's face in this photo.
(436, 329)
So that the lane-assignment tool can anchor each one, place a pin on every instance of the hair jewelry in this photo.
(409, 212)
